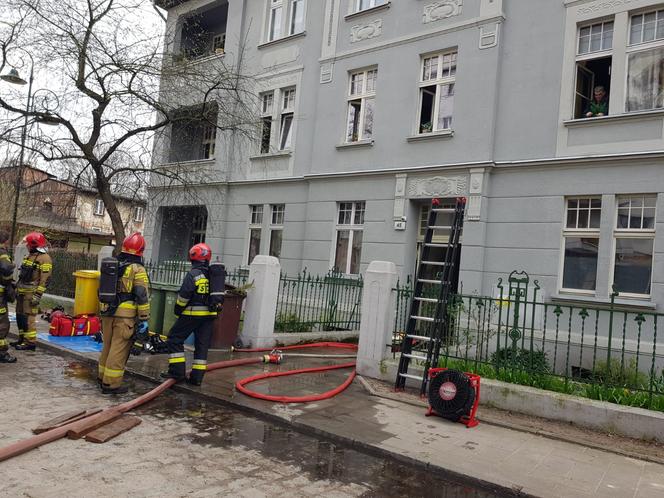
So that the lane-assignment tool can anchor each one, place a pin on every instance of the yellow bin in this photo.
(86, 301)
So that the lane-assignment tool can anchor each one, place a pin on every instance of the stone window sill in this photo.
(272, 155)
(620, 302)
(372, 10)
(191, 162)
(282, 40)
(613, 118)
(431, 136)
(358, 143)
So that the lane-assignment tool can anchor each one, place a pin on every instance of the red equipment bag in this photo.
(86, 325)
(61, 324)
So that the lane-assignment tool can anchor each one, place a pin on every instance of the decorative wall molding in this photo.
(366, 31)
(441, 10)
(474, 206)
(326, 72)
(604, 5)
(489, 35)
(437, 186)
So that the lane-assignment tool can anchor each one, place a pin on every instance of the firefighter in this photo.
(33, 279)
(127, 317)
(7, 294)
(195, 314)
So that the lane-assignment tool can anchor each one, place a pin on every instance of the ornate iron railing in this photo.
(63, 282)
(605, 352)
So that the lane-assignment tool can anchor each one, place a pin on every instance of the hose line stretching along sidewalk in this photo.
(79, 428)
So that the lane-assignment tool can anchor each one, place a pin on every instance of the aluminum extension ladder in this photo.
(425, 330)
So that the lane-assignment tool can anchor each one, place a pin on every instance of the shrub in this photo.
(615, 374)
(522, 359)
(292, 323)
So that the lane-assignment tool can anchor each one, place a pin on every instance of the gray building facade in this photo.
(548, 115)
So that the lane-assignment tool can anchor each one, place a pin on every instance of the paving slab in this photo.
(513, 460)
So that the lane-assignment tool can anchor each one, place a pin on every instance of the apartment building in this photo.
(548, 115)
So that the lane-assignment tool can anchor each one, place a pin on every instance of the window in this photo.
(593, 70)
(255, 229)
(203, 31)
(287, 111)
(361, 98)
(634, 236)
(437, 92)
(138, 214)
(276, 229)
(198, 227)
(99, 207)
(349, 231)
(296, 24)
(645, 62)
(368, 4)
(267, 101)
(276, 13)
(208, 141)
(581, 244)
(286, 17)
(219, 43)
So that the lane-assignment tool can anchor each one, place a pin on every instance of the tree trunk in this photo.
(104, 189)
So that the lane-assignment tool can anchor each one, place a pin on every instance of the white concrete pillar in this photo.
(104, 252)
(378, 311)
(261, 304)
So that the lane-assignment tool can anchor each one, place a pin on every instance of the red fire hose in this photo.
(240, 385)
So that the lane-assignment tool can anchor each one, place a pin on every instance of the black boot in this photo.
(172, 375)
(5, 357)
(25, 346)
(196, 377)
(16, 343)
(106, 389)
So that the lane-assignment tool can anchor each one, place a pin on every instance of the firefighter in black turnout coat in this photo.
(198, 303)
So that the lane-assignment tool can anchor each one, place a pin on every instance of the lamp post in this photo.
(14, 78)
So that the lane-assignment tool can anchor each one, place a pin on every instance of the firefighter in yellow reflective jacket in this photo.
(194, 316)
(7, 295)
(33, 280)
(119, 322)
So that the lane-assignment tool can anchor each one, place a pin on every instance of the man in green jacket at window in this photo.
(599, 105)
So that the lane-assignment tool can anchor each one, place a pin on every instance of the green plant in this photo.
(292, 323)
(522, 359)
(616, 373)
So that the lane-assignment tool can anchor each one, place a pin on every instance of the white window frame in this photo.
(285, 18)
(267, 113)
(633, 233)
(353, 227)
(208, 141)
(370, 4)
(576, 232)
(277, 215)
(643, 46)
(604, 29)
(139, 212)
(365, 94)
(99, 207)
(219, 43)
(287, 111)
(256, 214)
(439, 81)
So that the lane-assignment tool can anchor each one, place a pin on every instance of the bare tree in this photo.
(117, 92)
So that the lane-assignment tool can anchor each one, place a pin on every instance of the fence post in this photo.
(261, 305)
(20, 252)
(104, 252)
(377, 323)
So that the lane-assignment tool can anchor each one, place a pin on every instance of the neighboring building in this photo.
(71, 216)
(369, 108)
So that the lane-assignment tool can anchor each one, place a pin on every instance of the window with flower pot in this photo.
(361, 99)
(437, 80)
(349, 233)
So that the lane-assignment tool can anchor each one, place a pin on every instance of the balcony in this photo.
(202, 33)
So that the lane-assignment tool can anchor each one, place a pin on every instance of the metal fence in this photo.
(171, 273)
(605, 352)
(63, 282)
(310, 303)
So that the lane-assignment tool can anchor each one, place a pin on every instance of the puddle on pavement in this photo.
(218, 426)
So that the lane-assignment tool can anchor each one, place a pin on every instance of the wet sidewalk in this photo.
(510, 459)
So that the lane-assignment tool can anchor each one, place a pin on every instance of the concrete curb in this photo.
(362, 446)
(601, 416)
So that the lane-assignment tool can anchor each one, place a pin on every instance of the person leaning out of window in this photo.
(599, 105)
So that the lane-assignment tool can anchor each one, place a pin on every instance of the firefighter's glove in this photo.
(142, 334)
(136, 348)
(34, 303)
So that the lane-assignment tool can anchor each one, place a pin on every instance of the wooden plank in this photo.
(83, 427)
(63, 419)
(115, 428)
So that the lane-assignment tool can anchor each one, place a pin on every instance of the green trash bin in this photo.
(170, 296)
(156, 309)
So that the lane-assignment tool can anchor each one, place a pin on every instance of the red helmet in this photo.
(36, 240)
(134, 244)
(200, 252)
